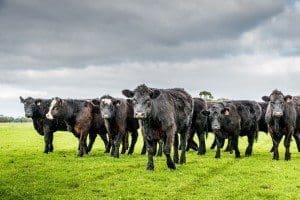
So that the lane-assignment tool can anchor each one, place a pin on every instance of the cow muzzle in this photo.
(105, 116)
(277, 114)
(139, 115)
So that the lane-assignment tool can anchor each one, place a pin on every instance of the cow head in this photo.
(57, 109)
(108, 106)
(142, 98)
(277, 103)
(215, 114)
(31, 107)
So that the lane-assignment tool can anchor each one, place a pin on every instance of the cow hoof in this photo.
(201, 153)
(237, 155)
(150, 167)
(287, 157)
(171, 165)
(116, 155)
(176, 160)
(217, 156)
(46, 152)
(182, 161)
(275, 158)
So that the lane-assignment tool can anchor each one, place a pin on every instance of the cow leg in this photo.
(125, 143)
(191, 143)
(82, 144)
(104, 138)
(287, 142)
(213, 145)
(160, 148)
(175, 146)
(235, 144)
(117, 143)
(168, 145)
(144, 149)
(134, 136)
(150, 149)
(219, 146)
(202, 147)
(183, 141)
(229, 145)
(276, 141)
(297, 139)
(92, 138)
(51, 142)
(251, 138)
(47, 142)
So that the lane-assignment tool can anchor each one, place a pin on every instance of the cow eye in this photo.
(134, 101)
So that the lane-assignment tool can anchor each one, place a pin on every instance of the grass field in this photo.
(27, 173)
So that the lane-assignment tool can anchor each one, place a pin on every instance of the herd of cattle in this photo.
(163, 115)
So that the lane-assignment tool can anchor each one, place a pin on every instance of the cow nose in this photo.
(105, 116)
(277, 114)
(139, 115)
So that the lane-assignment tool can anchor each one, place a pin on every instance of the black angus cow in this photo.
(225, 122)
(199, 126)
(37, 109)
(281, 118)
(119, 120)
(82, 119)
(296, 100)
(165, 112)
(250, 113)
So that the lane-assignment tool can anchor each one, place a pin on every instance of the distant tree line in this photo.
(4, 119)
(209, 97)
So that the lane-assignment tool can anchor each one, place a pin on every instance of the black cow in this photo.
(199, 126)
(250, 113)
(37, 109)
(81, 118)
(281, 118)
(165, 112)
(225, 122)
(296, 100)
(119, 120)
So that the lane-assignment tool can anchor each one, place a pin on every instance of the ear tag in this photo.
(39, 103)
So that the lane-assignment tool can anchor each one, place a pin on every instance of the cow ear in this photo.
(265, 98)
(117, 102)
(154, 94)
(95, 102)
(128, 93)
(205, 112)
(225, 111)
(60, 101)
(22, 100)
(288, 98)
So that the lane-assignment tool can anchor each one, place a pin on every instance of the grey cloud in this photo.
(45, 34)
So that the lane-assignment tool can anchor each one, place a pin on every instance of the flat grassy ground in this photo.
(27, 173)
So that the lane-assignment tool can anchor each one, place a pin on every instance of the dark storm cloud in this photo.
(84, 49)
(46, 34)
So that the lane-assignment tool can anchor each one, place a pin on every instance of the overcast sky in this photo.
(83, 49)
